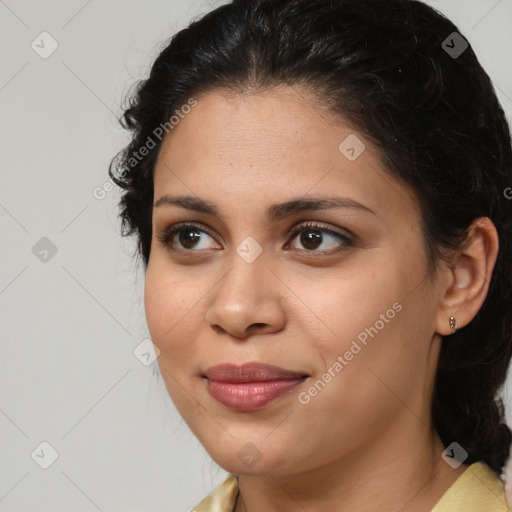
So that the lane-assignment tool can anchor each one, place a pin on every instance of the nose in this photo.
(247, 300)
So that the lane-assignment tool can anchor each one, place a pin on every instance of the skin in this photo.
(367, 437)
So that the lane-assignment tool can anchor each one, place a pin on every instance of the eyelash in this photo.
(166, 237)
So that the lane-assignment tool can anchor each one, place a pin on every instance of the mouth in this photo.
(251, 386)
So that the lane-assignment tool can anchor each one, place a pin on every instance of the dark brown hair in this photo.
(391, 68)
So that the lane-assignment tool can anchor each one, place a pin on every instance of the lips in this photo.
(250, 386)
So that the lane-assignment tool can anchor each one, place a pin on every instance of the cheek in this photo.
(378, 330)
(356, 306)
(170, 319)
(169, 309)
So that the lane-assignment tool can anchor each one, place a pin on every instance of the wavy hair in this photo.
(385, 66)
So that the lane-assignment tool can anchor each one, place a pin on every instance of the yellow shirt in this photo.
(478, 489)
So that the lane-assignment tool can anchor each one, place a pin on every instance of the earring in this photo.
(453, 323)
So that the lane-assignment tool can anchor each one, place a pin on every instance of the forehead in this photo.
(272, 145)
(280, 124)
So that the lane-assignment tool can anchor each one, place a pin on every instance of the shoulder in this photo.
(222, 499)
(478, 489)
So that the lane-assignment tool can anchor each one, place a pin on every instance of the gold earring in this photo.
(453, 323)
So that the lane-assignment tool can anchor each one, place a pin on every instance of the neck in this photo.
(402, 472)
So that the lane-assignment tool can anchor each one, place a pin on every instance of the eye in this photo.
(187, 237)
(313, 236)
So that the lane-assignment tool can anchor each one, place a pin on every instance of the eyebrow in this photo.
(275, 212)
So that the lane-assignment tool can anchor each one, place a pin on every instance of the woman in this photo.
(335, 325)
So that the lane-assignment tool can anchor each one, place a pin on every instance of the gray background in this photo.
(71, 322)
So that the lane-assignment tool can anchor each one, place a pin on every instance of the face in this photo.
(295, 250)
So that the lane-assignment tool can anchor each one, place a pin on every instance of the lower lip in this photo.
(250, 396)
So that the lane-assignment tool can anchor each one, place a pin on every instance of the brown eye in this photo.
(188, 237)
(184, 237)
(311, 239)
(314, 236)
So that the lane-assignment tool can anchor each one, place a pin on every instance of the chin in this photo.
(247, 458)
(232, 464)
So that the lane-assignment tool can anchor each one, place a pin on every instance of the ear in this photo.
(465, 280)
